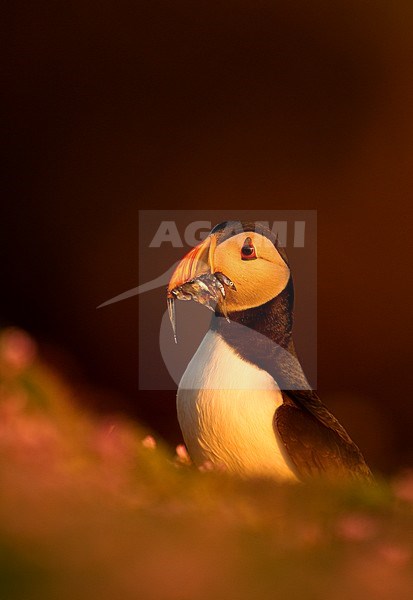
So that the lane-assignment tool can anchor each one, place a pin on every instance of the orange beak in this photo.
(199, 260)
(195, 279)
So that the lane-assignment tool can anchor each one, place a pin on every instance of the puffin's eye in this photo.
(248, 250)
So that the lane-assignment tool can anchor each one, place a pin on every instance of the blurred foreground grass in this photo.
(89, 508)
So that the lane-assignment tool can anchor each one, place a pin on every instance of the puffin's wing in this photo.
(315, 441)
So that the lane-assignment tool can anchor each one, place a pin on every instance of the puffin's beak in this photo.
(195, 279)
(198, 261)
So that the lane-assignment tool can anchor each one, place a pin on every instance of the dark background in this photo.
(112, 107)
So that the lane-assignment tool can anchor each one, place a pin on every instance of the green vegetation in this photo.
(90, 509)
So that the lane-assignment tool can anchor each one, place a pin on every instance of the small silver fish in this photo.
(170, 301)
(202, 289)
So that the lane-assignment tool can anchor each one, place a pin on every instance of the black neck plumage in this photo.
(263, 336)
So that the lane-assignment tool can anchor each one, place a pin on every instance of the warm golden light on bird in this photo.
(244, 402)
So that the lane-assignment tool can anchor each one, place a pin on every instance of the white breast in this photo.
(226, 408)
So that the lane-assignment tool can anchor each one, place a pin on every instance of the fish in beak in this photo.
(195, 279)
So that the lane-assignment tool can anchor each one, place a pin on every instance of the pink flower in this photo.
(403, 486)
(149, 442)
(182, 455)
(206, 466)
(17, 348)
(395, 554)
(356, 527)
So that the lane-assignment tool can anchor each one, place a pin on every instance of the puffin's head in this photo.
(239, 266)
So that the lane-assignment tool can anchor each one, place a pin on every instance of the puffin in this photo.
(244, 404)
